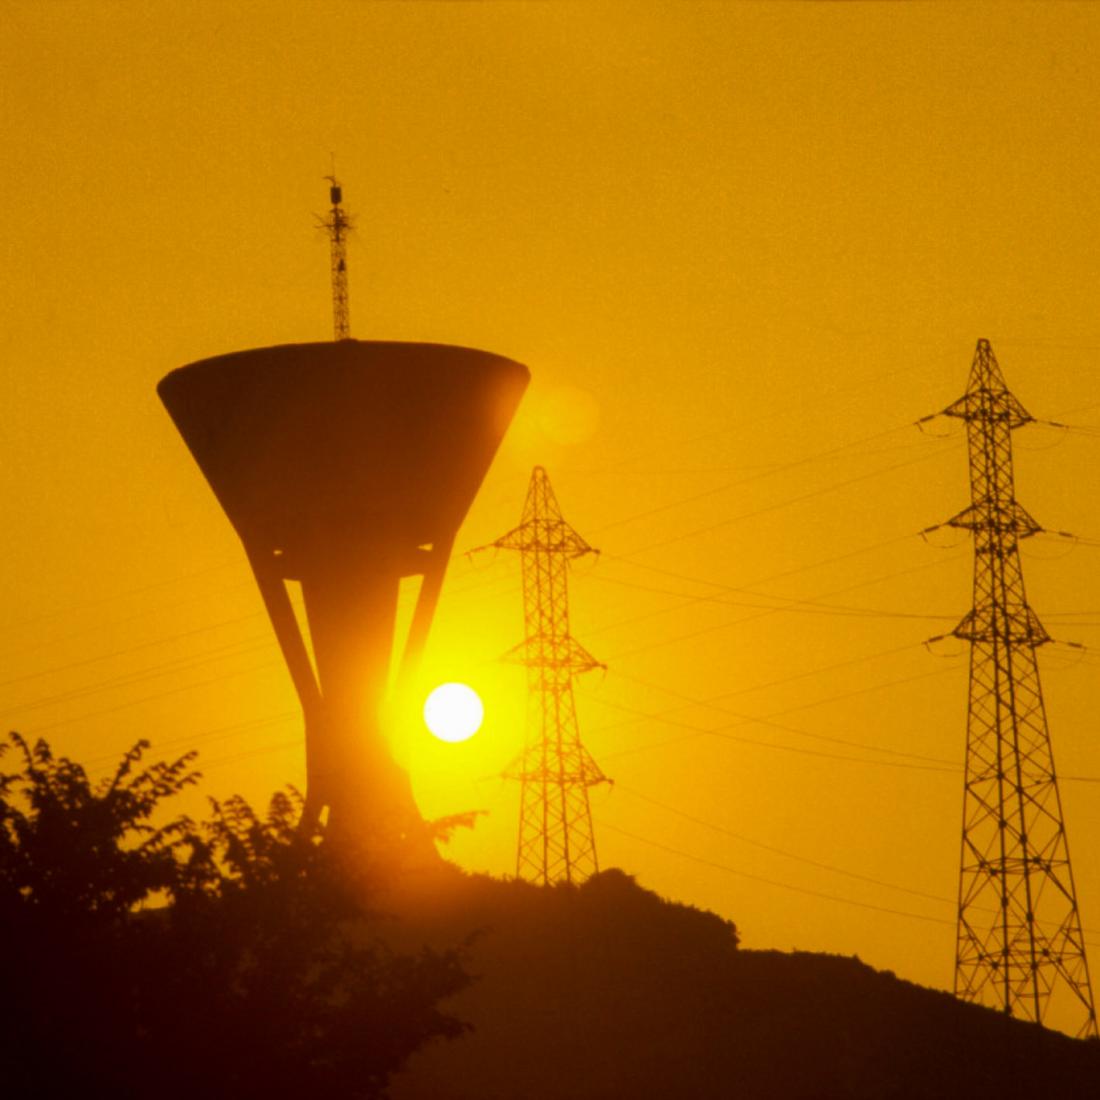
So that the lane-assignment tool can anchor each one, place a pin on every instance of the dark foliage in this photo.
(81, 854)
(231, 958)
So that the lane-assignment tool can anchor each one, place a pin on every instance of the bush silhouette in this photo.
(232, 957)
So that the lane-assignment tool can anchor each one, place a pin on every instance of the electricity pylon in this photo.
(337, 224)
(1019, 942)
(556, 839)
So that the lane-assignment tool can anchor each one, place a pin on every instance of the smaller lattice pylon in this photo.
(556, 838)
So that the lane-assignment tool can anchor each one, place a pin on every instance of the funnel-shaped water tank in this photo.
(347, 466)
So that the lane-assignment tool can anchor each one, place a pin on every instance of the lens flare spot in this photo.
(570, 416)
(453, 712)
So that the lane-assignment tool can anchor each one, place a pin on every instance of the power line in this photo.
(783, 852)
(847, 663)
(37, 730)
(255, 642)
(181, 664)
(831, 488)
(11, 628)
(791, 604)
(819, 399)
(733, 588)
(131, 649)
(832, 868)
(749, 618)
(774, 882)
(102, 626)
(782, 468)
(453, 594)
(189, 741)
(722, 732)
(768, 720)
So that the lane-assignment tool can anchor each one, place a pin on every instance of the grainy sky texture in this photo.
(742, 249)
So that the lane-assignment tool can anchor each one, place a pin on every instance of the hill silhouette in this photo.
(280, 965)
(608, 991)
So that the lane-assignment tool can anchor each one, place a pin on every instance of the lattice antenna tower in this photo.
(1019, 943)
(338, 224)
(556, 839)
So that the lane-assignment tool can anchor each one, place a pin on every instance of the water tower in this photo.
(347, 466)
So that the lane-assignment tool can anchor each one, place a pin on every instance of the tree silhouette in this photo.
(75, 852)
(232, 957)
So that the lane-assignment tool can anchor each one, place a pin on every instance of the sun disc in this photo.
(453, 712)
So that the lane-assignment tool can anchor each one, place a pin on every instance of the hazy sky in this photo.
(741, 247)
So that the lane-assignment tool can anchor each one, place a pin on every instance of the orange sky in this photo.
(741, 247)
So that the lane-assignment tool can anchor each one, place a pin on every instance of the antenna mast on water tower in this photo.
(337, 224)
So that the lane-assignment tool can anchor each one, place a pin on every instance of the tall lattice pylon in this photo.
(1019, 943)
(556, 839)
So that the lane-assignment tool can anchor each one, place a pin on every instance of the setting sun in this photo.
(453, 712)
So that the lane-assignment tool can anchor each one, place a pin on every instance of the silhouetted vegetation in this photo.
(147, 956)
(228, 958)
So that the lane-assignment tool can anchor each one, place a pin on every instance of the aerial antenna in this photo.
(337, 224)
